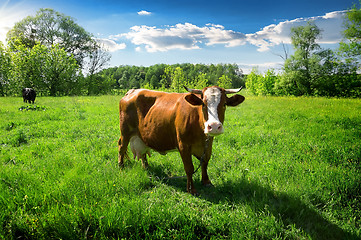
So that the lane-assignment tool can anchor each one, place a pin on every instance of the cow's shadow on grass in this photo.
(291, 211)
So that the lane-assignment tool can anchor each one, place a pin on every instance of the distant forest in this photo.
(163, 76)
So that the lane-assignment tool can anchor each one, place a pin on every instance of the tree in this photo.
(48, 70)
(178, 79)
(154, 82)
(60, 73)
(305, 58)
(201, 81)
(224, 82)
(26, 67)
(98, 59)
(4, 69)
(351, 48)
(269, 80)
(252, 81)
(50, 27)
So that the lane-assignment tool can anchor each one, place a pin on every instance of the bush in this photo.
(261, 85)
(292, 83)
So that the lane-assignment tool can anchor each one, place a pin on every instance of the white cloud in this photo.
(144, 13)
(182, 36)
(110, 45)
(189, 36)
(331, 25)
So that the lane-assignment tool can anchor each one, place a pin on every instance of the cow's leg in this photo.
(205, 178)
(186, 155)
(123, 145)
(144, 161)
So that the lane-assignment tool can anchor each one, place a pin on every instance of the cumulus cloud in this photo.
(182, 36)
(144, 13)
(189, 36)
(110, 45)
(331, 25)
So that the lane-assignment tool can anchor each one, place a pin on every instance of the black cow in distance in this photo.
(29, 95)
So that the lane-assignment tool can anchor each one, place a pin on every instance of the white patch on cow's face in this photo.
(213, 126)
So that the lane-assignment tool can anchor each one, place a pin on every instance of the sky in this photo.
(143, 33)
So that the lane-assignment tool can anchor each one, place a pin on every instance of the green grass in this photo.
(286, 168)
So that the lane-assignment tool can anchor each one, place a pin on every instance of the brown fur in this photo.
(168, 121)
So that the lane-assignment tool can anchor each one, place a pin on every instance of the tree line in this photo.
(314, 71)
(50, 53)
(173, 77)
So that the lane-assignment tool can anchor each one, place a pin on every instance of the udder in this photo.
(139, 148)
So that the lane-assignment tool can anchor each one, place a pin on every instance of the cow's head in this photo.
(214, 101)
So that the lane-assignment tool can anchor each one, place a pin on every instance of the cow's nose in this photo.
(214, 128)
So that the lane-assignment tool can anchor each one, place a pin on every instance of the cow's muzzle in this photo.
(213, 128)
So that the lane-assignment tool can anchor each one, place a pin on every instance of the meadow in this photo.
(286, 168)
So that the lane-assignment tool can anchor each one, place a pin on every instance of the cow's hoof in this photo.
(193, 192)
(121, 165)
(207, 184)
(145, 165)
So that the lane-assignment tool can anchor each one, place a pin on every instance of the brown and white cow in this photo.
(163, 122)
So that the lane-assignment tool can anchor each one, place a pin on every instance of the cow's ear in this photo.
(193, 99)
(234, 100)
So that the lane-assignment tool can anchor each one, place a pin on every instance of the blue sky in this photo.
(143, 33)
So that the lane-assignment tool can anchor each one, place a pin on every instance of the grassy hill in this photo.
(286, 168)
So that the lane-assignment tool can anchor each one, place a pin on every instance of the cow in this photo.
(29, 95)
(186, 122)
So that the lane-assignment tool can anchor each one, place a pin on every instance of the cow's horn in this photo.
(195, 91)
(228, 91)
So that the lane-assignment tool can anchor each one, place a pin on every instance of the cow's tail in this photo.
(124, 151)
(123, 146)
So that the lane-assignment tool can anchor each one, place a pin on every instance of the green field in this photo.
(286, 168)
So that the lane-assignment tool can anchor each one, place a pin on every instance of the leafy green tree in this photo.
(305, 59)
(352, 47)
(50, 27)
(201, 81)
(98, 59)
(162, 76)
(178, 79)
(154, 82)
(166, 80)
(26, 67)
(269, 80)
(4, 69)
(286, 84)
(48, 70)
(260, 84)
(252, 81)
(99, 84)
(224, 82)
(124, 80)
(61, 72)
